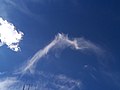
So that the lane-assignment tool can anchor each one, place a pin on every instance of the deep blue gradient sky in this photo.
(95, 20)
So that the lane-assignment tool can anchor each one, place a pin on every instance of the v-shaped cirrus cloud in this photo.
(60, 41)
(9, 35)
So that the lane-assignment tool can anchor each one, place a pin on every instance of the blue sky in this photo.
(94, 68)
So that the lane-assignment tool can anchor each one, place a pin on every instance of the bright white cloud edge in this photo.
(9, 35)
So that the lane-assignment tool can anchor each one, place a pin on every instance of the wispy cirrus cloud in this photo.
(3, 9)
(6, 83)
(22, 6)
(60, 41)
(9, 35)
(45, 81)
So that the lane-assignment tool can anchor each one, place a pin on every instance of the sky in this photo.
(59, 45)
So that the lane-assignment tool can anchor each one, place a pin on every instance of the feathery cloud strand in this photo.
(60, 41)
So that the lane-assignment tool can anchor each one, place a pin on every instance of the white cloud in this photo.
(60, 41)
(44, 81)
(9, 35)
(5, 84)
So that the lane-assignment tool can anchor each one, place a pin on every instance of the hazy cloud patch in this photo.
(45, 81)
